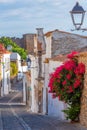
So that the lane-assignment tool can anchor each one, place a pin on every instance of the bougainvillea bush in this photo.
(66, 83)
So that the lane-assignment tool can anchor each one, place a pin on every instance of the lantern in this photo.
(77, 15)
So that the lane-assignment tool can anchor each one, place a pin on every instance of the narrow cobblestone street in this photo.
(14, 115)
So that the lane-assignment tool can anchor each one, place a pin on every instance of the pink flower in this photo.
(59, 96)
(77, 83)
(69, 65)
(53, 95)
(59, 69)
(70, 90)
(58, 81)
(64, 82)
(80, 69)
(72, 54)
(50, 91)
(68, 76)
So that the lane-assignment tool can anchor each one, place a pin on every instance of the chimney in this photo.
(41, 40)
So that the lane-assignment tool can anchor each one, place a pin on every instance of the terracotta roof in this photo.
(50, 32)
(59, 58)
(3, 50)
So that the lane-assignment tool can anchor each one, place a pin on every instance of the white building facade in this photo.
(52, 107)
(6, 86)
(57, 43)
(5, 70)
(15, 57)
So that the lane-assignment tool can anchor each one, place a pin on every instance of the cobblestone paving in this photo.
(16, 117)
(10, 122)
(41, 122)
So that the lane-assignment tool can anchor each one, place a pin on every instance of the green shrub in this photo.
(13, 69)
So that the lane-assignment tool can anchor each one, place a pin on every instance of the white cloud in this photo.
(42, 1)
(12, 12)
(26, 15)
(7, 1)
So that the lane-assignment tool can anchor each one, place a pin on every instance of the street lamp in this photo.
(28, 60)
(77, 15)
(29, 63)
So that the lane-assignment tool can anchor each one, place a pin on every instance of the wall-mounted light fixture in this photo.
(28, 60)
(77, 15)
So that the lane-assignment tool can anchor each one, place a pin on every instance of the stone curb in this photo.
(1, 123)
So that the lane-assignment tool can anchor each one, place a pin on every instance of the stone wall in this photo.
(18, 41)
(29, 43)
(83, 113)
(26, 42)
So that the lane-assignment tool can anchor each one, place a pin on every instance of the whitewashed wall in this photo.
(23, 68)
(34, 75)
(48, 47)
(45, 88)
(16, 57)
(55, 106)
(5, 74)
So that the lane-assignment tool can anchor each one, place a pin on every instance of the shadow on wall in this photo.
(19, 76)
(13, 80)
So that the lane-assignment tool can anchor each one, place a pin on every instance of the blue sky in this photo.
(18, 17)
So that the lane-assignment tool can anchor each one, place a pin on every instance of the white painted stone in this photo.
(46, 75)
(24, 90)
(55, 106)
(5, 74)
